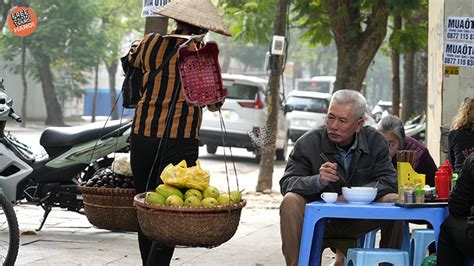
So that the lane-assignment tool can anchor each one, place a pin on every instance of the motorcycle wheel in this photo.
(9, 232)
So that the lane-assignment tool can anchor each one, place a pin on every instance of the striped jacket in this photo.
(155, 101)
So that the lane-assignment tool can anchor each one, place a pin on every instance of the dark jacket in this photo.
(424, 162)
(370, 162)
(462, 198)
(460, 140)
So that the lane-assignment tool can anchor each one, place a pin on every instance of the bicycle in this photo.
(9, 232)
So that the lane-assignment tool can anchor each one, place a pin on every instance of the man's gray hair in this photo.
(351, 97)
(394, 125)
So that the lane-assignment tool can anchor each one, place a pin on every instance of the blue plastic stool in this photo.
(469, 262)
(374, 256)
(368, 240)
(419, 242)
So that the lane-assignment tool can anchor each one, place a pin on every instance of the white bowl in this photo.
(359, 195)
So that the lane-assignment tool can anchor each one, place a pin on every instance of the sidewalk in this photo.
(69, 239)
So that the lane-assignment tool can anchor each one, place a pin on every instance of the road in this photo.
(64, 231)
(243, 160)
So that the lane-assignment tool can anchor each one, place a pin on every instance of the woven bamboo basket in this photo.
(188, 226)
(110, 208)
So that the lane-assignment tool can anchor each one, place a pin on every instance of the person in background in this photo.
(162, 134)
(393, 131)
(456, 238)
(360, 152)
(461, 135)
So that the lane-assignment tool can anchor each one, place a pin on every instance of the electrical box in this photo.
(278, 45)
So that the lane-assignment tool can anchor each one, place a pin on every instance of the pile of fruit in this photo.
(189, 187)
(119, 175)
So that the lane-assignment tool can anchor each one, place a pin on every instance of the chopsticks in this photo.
(406, 156)
(339, 172)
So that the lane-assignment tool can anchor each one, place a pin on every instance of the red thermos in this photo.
(442, 183)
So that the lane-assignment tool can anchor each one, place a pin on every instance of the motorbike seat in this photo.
(56, 137)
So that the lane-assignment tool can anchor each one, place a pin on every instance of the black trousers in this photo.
(142, 155)
(454, 246)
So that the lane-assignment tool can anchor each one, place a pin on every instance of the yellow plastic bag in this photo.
(175, 175)
(408, 179)
(198, 178)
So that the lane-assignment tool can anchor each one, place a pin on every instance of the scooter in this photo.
(74, 154)
(416, 127)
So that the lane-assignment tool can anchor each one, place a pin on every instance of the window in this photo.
(241, 91)
(308, 104)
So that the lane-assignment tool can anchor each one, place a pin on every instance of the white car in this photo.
(323, 84)
(244, 114)
(309, 111)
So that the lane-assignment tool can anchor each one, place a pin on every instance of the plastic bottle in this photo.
(429, 261)
(454, 180)
(447, 166)
(442, 183)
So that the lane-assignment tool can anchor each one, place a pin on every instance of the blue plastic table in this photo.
(317, 212)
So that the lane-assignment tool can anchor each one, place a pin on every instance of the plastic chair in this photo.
(368, 240)
(419, 242)
(374, 256)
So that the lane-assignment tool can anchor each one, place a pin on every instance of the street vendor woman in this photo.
(179, 139)
(360, 151)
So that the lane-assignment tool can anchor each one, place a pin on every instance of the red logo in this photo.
(22, 21)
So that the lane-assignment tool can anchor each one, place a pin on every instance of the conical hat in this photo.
(200, 13)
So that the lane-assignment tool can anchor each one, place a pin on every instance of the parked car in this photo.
(309, 111)
(244, 114)
(382, 109)
(323, 84)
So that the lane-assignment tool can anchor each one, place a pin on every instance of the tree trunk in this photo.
(25, 85)
(112, 71)
(5, 11)
(356, 47)
(421, 82)
(397, 25)
(156, 25)
(265, 175)
(317, 70)
(53, 109)
(408, 86)
(96, 91)
(226, 55)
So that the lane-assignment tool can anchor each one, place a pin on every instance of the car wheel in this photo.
(211, 149)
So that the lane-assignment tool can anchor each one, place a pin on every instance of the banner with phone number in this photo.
(459, 54)
(150, 5)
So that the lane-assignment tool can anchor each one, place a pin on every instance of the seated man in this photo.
(456, 239)
(362, 153)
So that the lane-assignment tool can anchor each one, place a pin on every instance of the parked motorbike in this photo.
(73, 155)
(416, 127)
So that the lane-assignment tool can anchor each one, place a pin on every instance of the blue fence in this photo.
(103, 105)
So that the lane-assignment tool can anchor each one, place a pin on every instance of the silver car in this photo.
(244, 115)
(309, 111)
